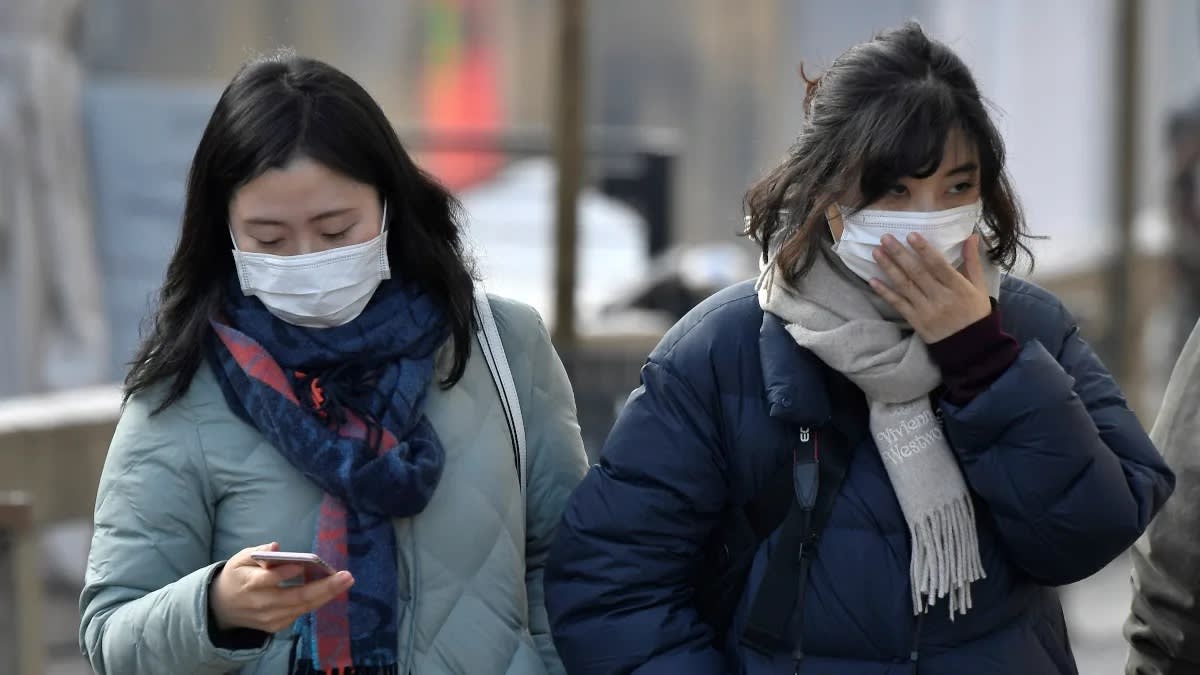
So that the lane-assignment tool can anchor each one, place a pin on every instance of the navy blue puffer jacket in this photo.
(1063, 475)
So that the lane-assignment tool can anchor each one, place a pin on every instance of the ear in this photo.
(834, 216)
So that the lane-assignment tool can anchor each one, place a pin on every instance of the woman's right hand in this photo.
(247, 594)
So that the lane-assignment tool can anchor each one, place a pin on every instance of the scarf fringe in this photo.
(945, 557)
(853, 331)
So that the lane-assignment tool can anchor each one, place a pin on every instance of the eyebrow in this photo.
(332, 213)
(969, 167)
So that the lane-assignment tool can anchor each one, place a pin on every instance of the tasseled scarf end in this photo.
(945, 558)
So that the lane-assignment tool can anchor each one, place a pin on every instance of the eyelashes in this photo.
(327, 236)
(899, 190)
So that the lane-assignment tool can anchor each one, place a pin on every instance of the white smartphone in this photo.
(314, 567)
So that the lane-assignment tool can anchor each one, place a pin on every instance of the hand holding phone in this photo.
(313, 567)
(253, 593)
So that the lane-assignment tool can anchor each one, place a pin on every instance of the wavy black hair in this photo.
(881, 111)
(277, 108)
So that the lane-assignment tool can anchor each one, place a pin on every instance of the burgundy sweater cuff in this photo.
(975, 357)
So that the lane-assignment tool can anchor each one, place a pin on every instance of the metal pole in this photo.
(1122, 332)
(568, 150)
(22, 644)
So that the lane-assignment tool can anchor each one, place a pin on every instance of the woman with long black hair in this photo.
(323, 377)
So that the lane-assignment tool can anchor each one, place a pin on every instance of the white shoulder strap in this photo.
(493, 353)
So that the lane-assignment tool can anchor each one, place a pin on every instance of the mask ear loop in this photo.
(238, 261)
(384, 263)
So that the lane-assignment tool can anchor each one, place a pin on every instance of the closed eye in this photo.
(334, 236)
(268, 244)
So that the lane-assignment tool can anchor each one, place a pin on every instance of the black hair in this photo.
(881, 111)
(277, 108)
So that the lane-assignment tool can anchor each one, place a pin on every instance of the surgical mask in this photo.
(946, 231)
(316, 290)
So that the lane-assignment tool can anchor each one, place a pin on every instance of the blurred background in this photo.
(601, 150)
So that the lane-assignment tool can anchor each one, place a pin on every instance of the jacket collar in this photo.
(796, 386)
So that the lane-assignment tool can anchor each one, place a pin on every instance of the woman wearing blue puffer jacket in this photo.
(950, 446)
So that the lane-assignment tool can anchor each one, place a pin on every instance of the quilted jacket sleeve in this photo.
(145, 598)
(1066, 470)
(556, 463)
(618, 579)
(1164, 627)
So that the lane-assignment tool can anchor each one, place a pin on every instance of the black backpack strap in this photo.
(767, 509)
(816, 479)
(730, 554)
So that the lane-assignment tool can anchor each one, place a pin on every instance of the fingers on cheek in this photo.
(907, 260)
(895, 275)
(896, 300)
(898, 273)
(926, 260)
(918, 248)
(928, 255)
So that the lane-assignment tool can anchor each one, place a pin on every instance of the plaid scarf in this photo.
(344, 405)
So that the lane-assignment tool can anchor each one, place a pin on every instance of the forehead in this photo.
(303, 185)
(959, 149)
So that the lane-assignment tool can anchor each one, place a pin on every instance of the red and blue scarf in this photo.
(345, 406)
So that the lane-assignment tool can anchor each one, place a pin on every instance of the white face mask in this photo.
(946, 231)
(316, 290)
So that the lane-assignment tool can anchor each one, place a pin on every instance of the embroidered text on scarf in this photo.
(837, 317)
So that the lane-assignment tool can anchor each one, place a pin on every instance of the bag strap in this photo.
(766, 511)
(506, 387)
(816, 479)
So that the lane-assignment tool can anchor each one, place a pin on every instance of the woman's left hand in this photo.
(936, 299)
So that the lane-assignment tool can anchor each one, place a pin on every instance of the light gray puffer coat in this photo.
(184, 490)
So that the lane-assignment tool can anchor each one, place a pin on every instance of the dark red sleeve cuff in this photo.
(975, 357)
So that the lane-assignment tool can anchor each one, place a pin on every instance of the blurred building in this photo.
(56, 334)
(722, 75)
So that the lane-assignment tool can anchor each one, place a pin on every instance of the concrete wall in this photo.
(52, 449)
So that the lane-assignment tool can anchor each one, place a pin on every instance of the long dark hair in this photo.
(880, 112)
(275, 109)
